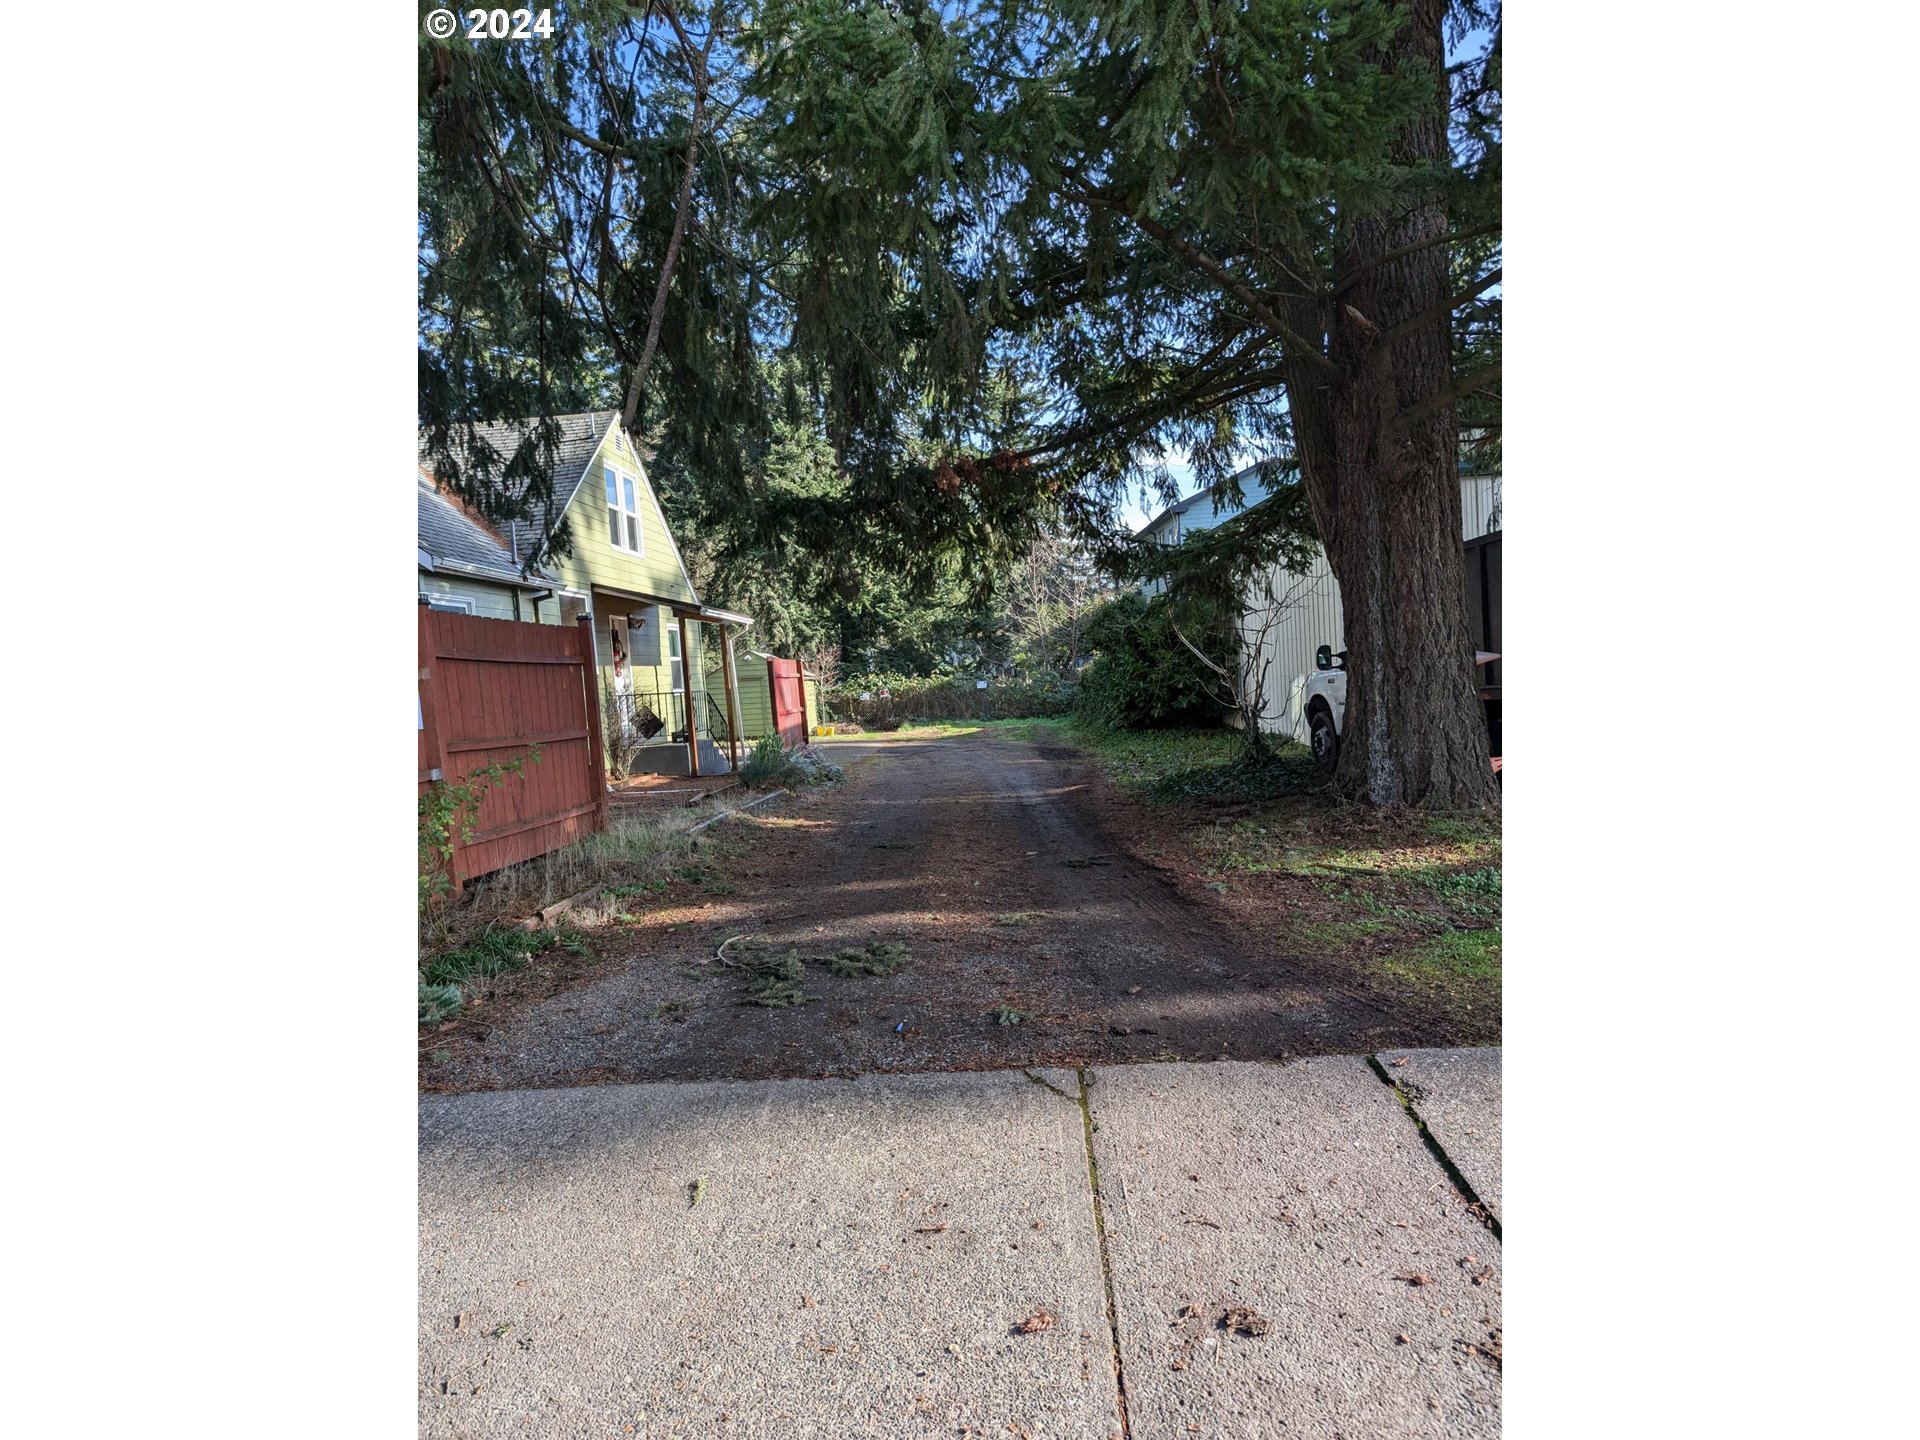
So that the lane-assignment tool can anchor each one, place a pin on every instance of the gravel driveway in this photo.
(1005, 866)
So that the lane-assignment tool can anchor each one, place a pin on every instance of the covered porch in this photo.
(661, 715)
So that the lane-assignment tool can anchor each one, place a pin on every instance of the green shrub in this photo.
(1141, 676)
(767, 766)
(771, 765)
(896, 699)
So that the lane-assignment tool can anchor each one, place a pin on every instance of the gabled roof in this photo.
(1187, 502)
(1179, 507)
(454, 541)
(580, 437)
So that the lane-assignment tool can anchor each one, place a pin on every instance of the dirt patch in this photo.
(1402, 909)
(1121, 951)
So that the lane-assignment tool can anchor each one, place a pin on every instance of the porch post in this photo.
(733, 702)
(686, 692)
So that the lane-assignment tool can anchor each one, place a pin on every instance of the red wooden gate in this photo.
(789, 694)
(489, 689)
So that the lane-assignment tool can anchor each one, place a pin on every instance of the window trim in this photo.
(620, 482)
(676, 666)
(449, 604)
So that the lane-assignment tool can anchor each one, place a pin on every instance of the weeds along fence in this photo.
(490, 690)
(877, 705)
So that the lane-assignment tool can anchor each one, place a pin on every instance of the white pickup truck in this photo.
(1323, 699)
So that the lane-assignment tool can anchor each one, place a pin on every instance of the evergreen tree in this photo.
(1264, 226)
(1010, 254)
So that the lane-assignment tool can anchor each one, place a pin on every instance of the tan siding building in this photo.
(1291, 614)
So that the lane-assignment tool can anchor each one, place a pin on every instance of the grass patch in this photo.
(944, 729)
(940, 729)
(1017, 920)
(630, 892)
(1311, 845)
(1413, 899)
(450, 979)
(1456, 955)
(1333, 934)
(642, 856)
(496, 952)
(1163, 766)
(636, 857)
(1473, 893)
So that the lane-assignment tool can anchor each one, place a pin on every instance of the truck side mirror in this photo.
(1323, 658)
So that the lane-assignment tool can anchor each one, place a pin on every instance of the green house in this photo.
(663, 651)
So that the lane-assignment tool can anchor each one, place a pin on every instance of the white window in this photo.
(623, 512)
(454, 604)
(673, 654)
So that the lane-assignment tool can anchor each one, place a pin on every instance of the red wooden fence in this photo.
(489, 689)
(787, 687)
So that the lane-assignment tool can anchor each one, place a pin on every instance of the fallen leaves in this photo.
(1489, 1353)
(1415, 1277)
(1244, 1320)
(1040, 1319)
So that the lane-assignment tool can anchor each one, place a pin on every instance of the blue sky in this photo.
(1135, 513)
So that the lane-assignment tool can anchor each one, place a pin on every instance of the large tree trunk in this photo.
(1379, 455)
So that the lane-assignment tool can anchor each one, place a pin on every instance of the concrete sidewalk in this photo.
(998, 1254)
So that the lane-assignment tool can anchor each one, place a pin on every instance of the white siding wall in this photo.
(1309, 615)
(1479, 506)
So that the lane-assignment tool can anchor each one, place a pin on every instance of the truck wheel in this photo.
(1322, 739)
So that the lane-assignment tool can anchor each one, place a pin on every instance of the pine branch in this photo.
(1306, 349)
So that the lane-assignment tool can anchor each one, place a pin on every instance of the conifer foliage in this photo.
(999, 258)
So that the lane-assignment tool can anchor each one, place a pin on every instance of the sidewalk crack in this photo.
(1043, 1081)
(1100, 1240)
(1407, 1095)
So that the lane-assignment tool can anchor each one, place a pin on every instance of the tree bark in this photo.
(1379, 453)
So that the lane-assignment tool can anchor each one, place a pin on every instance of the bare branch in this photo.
(681, 209)
(1373, 262)
(1442, 310)
(1472, 382)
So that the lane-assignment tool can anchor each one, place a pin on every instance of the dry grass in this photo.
(633, 857)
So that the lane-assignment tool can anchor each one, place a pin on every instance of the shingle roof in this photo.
(448, 533)
(580, 436)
